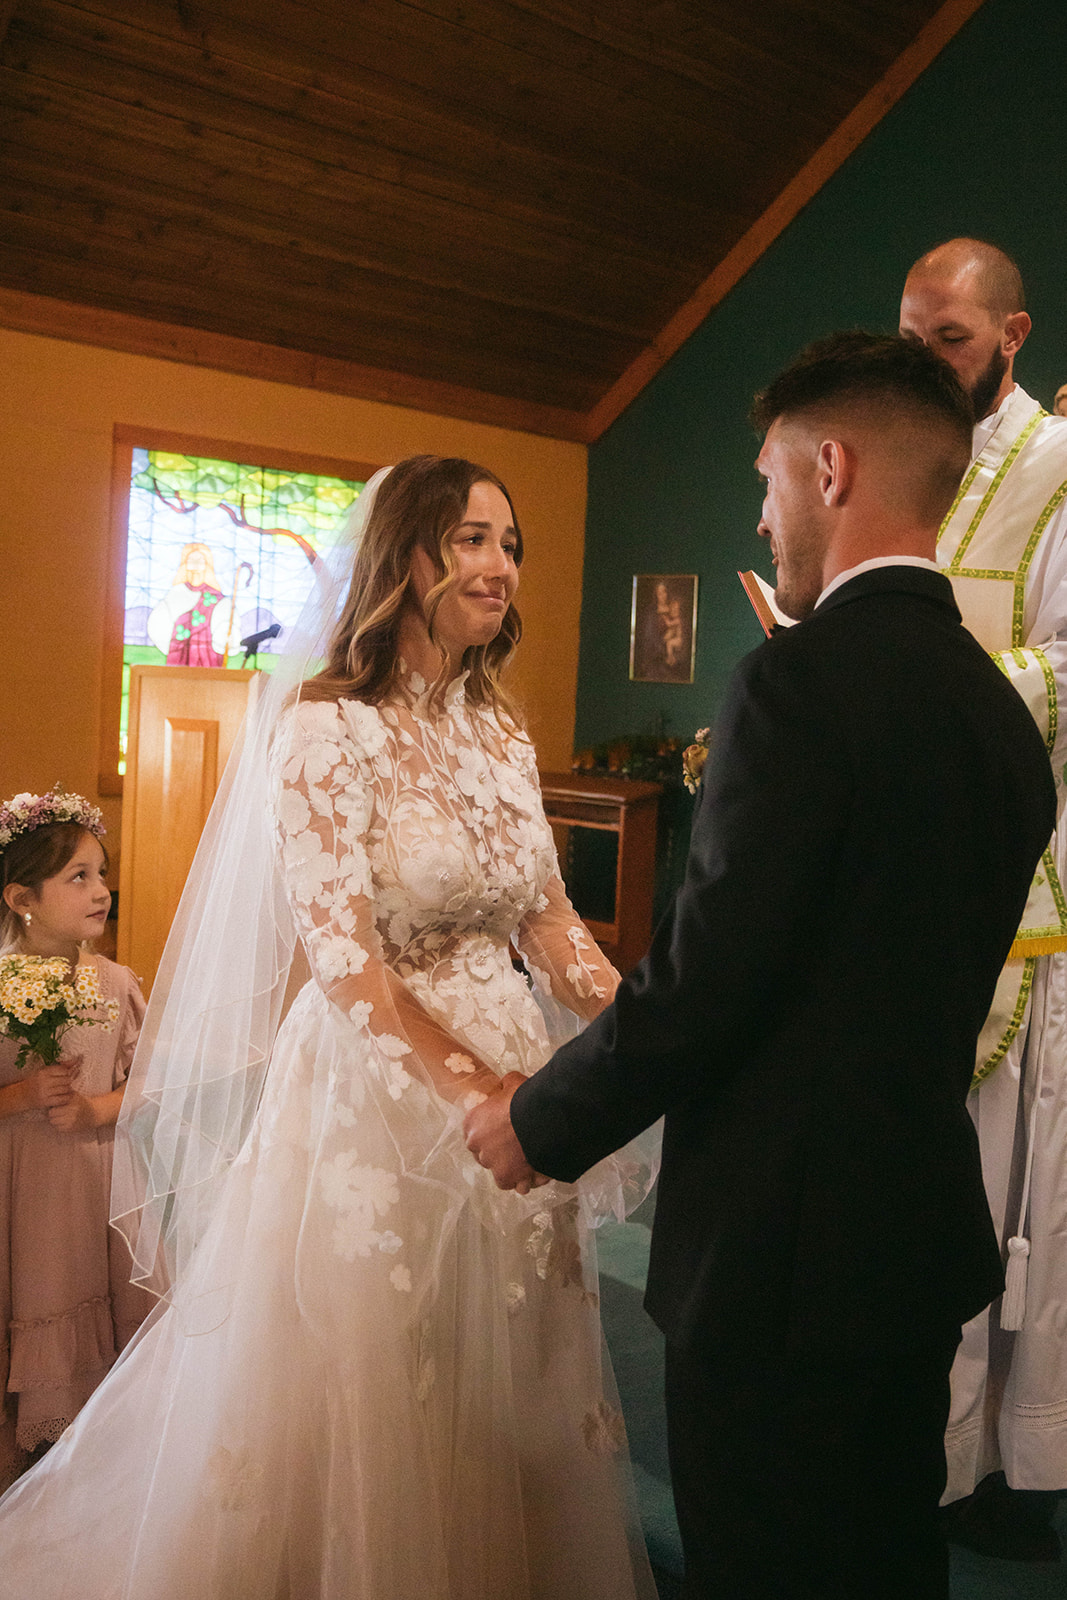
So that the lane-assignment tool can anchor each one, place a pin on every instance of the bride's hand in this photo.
(493, 1143)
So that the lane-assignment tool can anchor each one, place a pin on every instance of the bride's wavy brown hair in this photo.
(419, 504)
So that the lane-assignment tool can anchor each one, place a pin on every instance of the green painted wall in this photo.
(977, 146)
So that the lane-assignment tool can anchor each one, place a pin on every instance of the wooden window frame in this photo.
(125, 439)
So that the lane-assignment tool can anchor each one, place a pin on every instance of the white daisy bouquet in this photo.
(40, 999)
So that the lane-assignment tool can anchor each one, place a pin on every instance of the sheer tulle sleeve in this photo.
(325, 810)
(559, 952)
(562, 957)
(573, 982)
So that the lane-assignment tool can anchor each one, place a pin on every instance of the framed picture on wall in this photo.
(663, 627)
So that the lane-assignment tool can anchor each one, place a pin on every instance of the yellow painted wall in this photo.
(58, 405)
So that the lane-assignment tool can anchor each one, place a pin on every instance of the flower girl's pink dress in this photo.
(66, 1304)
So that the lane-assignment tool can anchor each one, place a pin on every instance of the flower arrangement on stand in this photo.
(650, 757)
(41, 999)
(693, 758)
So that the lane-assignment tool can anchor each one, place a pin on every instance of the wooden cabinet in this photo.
(183, 723)
(626, 808)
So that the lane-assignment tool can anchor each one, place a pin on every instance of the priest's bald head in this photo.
(867, 437)
(964, 299)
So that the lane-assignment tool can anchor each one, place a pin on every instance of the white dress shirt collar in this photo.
(869, 566)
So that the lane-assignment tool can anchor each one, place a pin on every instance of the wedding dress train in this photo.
(380, 1378)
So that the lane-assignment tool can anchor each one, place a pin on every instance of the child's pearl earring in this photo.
(29, 919)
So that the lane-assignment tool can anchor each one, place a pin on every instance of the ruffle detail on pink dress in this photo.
(50, 1352)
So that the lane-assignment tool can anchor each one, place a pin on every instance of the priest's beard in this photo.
(983, 390)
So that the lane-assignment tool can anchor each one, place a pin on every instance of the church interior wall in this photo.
(977, 146)
(59, 404)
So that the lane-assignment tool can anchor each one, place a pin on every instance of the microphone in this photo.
(254, 640)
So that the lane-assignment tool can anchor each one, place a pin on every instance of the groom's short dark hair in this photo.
(868, 370)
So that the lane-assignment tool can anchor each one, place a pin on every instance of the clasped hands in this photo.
(493, 1142)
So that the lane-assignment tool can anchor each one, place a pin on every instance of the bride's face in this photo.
(484, 548)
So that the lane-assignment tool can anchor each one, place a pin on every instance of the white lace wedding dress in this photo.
(381, 1379)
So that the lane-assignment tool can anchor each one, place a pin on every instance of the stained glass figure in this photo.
(220, 557)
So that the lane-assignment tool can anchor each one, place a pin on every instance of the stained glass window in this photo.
(219, 559)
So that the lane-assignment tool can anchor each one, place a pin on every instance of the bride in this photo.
(372, 1375)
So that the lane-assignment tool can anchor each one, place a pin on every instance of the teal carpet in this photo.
(636, 1347)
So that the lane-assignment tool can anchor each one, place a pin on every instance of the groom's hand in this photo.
(493, 1143)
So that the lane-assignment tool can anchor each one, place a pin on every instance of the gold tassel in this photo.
(1022, 948)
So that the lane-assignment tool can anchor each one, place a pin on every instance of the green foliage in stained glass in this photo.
(305, 502)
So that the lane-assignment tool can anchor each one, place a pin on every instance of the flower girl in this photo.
(66, 1304)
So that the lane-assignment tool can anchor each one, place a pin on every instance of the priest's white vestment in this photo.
(1004, 546)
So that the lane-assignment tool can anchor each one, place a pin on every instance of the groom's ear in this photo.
(834, 471)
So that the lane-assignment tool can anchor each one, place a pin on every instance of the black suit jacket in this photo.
(873, 807)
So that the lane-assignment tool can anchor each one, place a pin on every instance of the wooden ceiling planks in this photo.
(223, 84)
(268, 169)
(508, 204)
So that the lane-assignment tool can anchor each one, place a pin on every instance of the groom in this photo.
(871, 814)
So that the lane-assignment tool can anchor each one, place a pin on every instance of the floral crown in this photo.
(29, 811)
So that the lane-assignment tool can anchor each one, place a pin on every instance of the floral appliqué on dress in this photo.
(553, 1244)
(415, 850)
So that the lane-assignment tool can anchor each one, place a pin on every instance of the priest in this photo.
(1004, 547)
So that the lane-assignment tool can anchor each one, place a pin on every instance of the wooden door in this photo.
(182, 725)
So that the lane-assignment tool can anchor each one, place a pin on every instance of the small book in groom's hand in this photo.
(761, 596)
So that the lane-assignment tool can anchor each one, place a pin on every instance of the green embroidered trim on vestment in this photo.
(1024, 566)
(1053, 702)
(987, 498)
(1056, 887)
(968, 479)
(1001, 574)
(1013, 1027)
(1041, 941)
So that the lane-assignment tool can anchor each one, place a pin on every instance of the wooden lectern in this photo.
(626, 807)
(183, 722)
